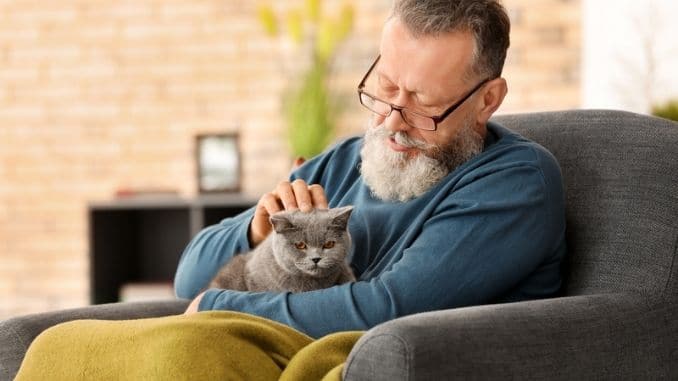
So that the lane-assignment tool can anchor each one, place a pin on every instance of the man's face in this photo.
(401, 162)
(426, 75)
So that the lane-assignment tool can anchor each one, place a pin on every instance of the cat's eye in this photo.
(328, 245)
(300, 245)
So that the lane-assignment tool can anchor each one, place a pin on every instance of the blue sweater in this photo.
(491, 231)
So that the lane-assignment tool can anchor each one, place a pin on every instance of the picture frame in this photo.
(218, 163)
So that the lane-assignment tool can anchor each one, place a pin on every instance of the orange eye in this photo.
(300, 245)
(328, 245)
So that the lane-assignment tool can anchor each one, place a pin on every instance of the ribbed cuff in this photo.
(209, 298)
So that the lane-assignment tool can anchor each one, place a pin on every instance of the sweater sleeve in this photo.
(483, 240)
(208, 251)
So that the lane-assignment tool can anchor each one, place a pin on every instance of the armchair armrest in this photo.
(606, 336)
(16, 334)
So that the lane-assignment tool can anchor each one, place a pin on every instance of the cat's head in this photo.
(313, 243)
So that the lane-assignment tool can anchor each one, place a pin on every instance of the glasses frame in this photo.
(436, 118)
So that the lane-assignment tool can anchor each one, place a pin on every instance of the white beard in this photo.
(395, 176)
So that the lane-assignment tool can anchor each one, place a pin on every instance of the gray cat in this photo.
(305, 251)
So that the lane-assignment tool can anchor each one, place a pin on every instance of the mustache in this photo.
(407, 141)
(400, 137)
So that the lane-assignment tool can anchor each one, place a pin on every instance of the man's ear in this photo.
(492, 97)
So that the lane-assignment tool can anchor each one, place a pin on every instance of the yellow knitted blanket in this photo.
(213, 345)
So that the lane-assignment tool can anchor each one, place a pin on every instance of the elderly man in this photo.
(450, 210)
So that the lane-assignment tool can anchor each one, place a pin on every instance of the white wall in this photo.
(630, 58)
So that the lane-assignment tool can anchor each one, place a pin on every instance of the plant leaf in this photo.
(313, 9)
(327, 39)
(668, 110)
(345, 21)
(267, 20)
(309, 118)
(295, 26)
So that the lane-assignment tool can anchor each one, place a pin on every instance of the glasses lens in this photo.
(418, 121)
(375, 105)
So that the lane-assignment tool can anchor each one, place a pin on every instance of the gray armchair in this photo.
(617, 318)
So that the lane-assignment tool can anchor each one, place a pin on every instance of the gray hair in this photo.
(486, 19)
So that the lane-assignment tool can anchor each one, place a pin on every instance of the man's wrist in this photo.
(251, 238)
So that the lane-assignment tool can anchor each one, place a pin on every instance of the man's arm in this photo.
(473, 251)
(208, 251)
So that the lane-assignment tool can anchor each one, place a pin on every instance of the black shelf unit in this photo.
(140, 239)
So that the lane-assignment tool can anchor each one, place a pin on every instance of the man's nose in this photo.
(395, 122)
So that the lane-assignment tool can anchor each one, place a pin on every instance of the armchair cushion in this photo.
(619, 174)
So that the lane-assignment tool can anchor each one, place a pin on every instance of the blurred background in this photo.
(127, 125)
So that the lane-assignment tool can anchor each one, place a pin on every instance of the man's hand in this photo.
(287, 196)
(193, 307)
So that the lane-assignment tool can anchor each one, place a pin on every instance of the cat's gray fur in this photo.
(278, 265)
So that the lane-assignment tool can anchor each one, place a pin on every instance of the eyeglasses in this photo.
(412, 118)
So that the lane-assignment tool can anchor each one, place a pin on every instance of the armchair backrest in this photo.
(620, 172)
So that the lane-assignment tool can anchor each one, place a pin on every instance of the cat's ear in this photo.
(281, 222)
(340, 216)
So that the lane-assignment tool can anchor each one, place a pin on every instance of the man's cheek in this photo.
(377, 120)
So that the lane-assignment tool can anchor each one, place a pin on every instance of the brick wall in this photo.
(97, 96)
(543, 64)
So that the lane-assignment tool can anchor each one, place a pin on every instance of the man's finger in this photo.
(318, 196)
(287, 195)
(260, 226)
(271, 203)
(302, 195)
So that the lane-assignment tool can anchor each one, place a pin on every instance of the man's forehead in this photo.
(387, 76)
(422, 63)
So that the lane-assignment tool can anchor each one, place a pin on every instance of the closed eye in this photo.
(300, 245)
(387, 93)
(328, 245)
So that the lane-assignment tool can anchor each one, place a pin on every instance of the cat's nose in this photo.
(316, 260)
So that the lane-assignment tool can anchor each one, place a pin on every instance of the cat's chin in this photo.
(317, 272)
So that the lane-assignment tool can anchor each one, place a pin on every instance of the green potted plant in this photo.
(310, 108)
